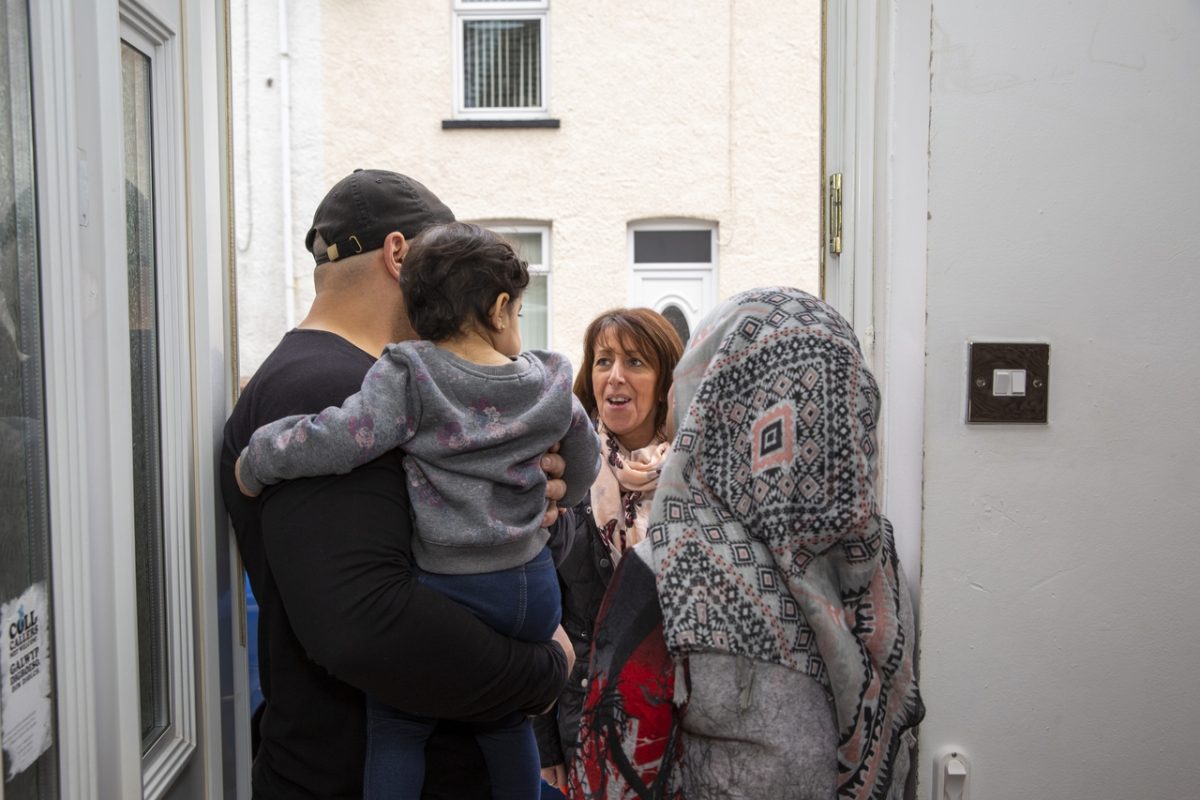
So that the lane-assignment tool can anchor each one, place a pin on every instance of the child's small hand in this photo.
(237, 475)
(556, 776)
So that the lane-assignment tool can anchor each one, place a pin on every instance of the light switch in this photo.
(1001, 382)
(1008, 382)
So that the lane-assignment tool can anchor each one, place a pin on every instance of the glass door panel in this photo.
(140, 246)
(26, 668)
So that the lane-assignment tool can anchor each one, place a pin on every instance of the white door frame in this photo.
(849, 150)
(877, 134)
(902, 205)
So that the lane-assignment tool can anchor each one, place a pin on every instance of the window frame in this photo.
(486, 10)
(543, 229)
(144, 28)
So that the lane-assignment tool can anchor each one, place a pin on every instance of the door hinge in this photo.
(835, 213)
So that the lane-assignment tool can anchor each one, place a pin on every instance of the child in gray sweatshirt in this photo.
(473, 416)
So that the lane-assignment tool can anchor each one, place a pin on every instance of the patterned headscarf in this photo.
(767, 541)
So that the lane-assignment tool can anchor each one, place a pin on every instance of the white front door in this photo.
(673, 270)
(679, 295)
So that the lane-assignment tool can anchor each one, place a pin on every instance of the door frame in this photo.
(876, 131)
(848, 149)
(77, 103)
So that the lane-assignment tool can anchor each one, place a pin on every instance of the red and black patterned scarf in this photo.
(629, 736)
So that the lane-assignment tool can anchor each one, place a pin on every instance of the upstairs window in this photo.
(500, 58)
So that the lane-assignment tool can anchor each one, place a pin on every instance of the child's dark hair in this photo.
(453, 273)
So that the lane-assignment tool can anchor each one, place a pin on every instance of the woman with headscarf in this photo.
(759, 644)
(628, 357)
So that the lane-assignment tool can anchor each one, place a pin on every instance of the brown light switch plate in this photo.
(1008, 382)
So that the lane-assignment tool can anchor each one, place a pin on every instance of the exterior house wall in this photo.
(716, 120)
(1059, 634)
(275, 80)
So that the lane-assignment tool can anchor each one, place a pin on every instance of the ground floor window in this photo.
(532, 243)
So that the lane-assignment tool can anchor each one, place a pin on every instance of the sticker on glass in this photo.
(25, 675)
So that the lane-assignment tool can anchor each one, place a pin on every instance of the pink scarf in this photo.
(624, 491)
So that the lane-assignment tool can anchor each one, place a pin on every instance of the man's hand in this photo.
(556, 776)
(563, 641)
(556, 488)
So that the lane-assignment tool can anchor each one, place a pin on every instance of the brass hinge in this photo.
(835, 213)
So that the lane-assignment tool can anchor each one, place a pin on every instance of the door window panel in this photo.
(144, 371)
(672, 247)
(674, 315)
(24, 500)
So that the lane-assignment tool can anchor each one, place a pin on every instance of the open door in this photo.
(873, 245)
(112, 354)
(848, 154)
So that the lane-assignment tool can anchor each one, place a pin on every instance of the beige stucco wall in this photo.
(713, 116)
(273, 80)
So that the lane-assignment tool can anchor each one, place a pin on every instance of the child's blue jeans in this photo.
(522, 602)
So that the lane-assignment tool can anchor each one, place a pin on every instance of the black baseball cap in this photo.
(365, 206)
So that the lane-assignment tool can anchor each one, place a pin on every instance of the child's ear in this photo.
(498, 315)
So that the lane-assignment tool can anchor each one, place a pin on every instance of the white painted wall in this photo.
(1060, 637)
(275, 87)
(712, 115)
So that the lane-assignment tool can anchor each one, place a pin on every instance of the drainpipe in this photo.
(285, 166)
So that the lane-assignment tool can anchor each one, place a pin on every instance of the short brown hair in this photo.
(641, 329)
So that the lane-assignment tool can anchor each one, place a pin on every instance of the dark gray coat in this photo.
(583, 574)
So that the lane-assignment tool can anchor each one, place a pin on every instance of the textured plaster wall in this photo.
(1059, 594)
(711, 116)
(259, 65)
(256, 163)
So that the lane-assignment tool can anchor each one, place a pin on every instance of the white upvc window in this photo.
(532, 243)
(501, 63)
